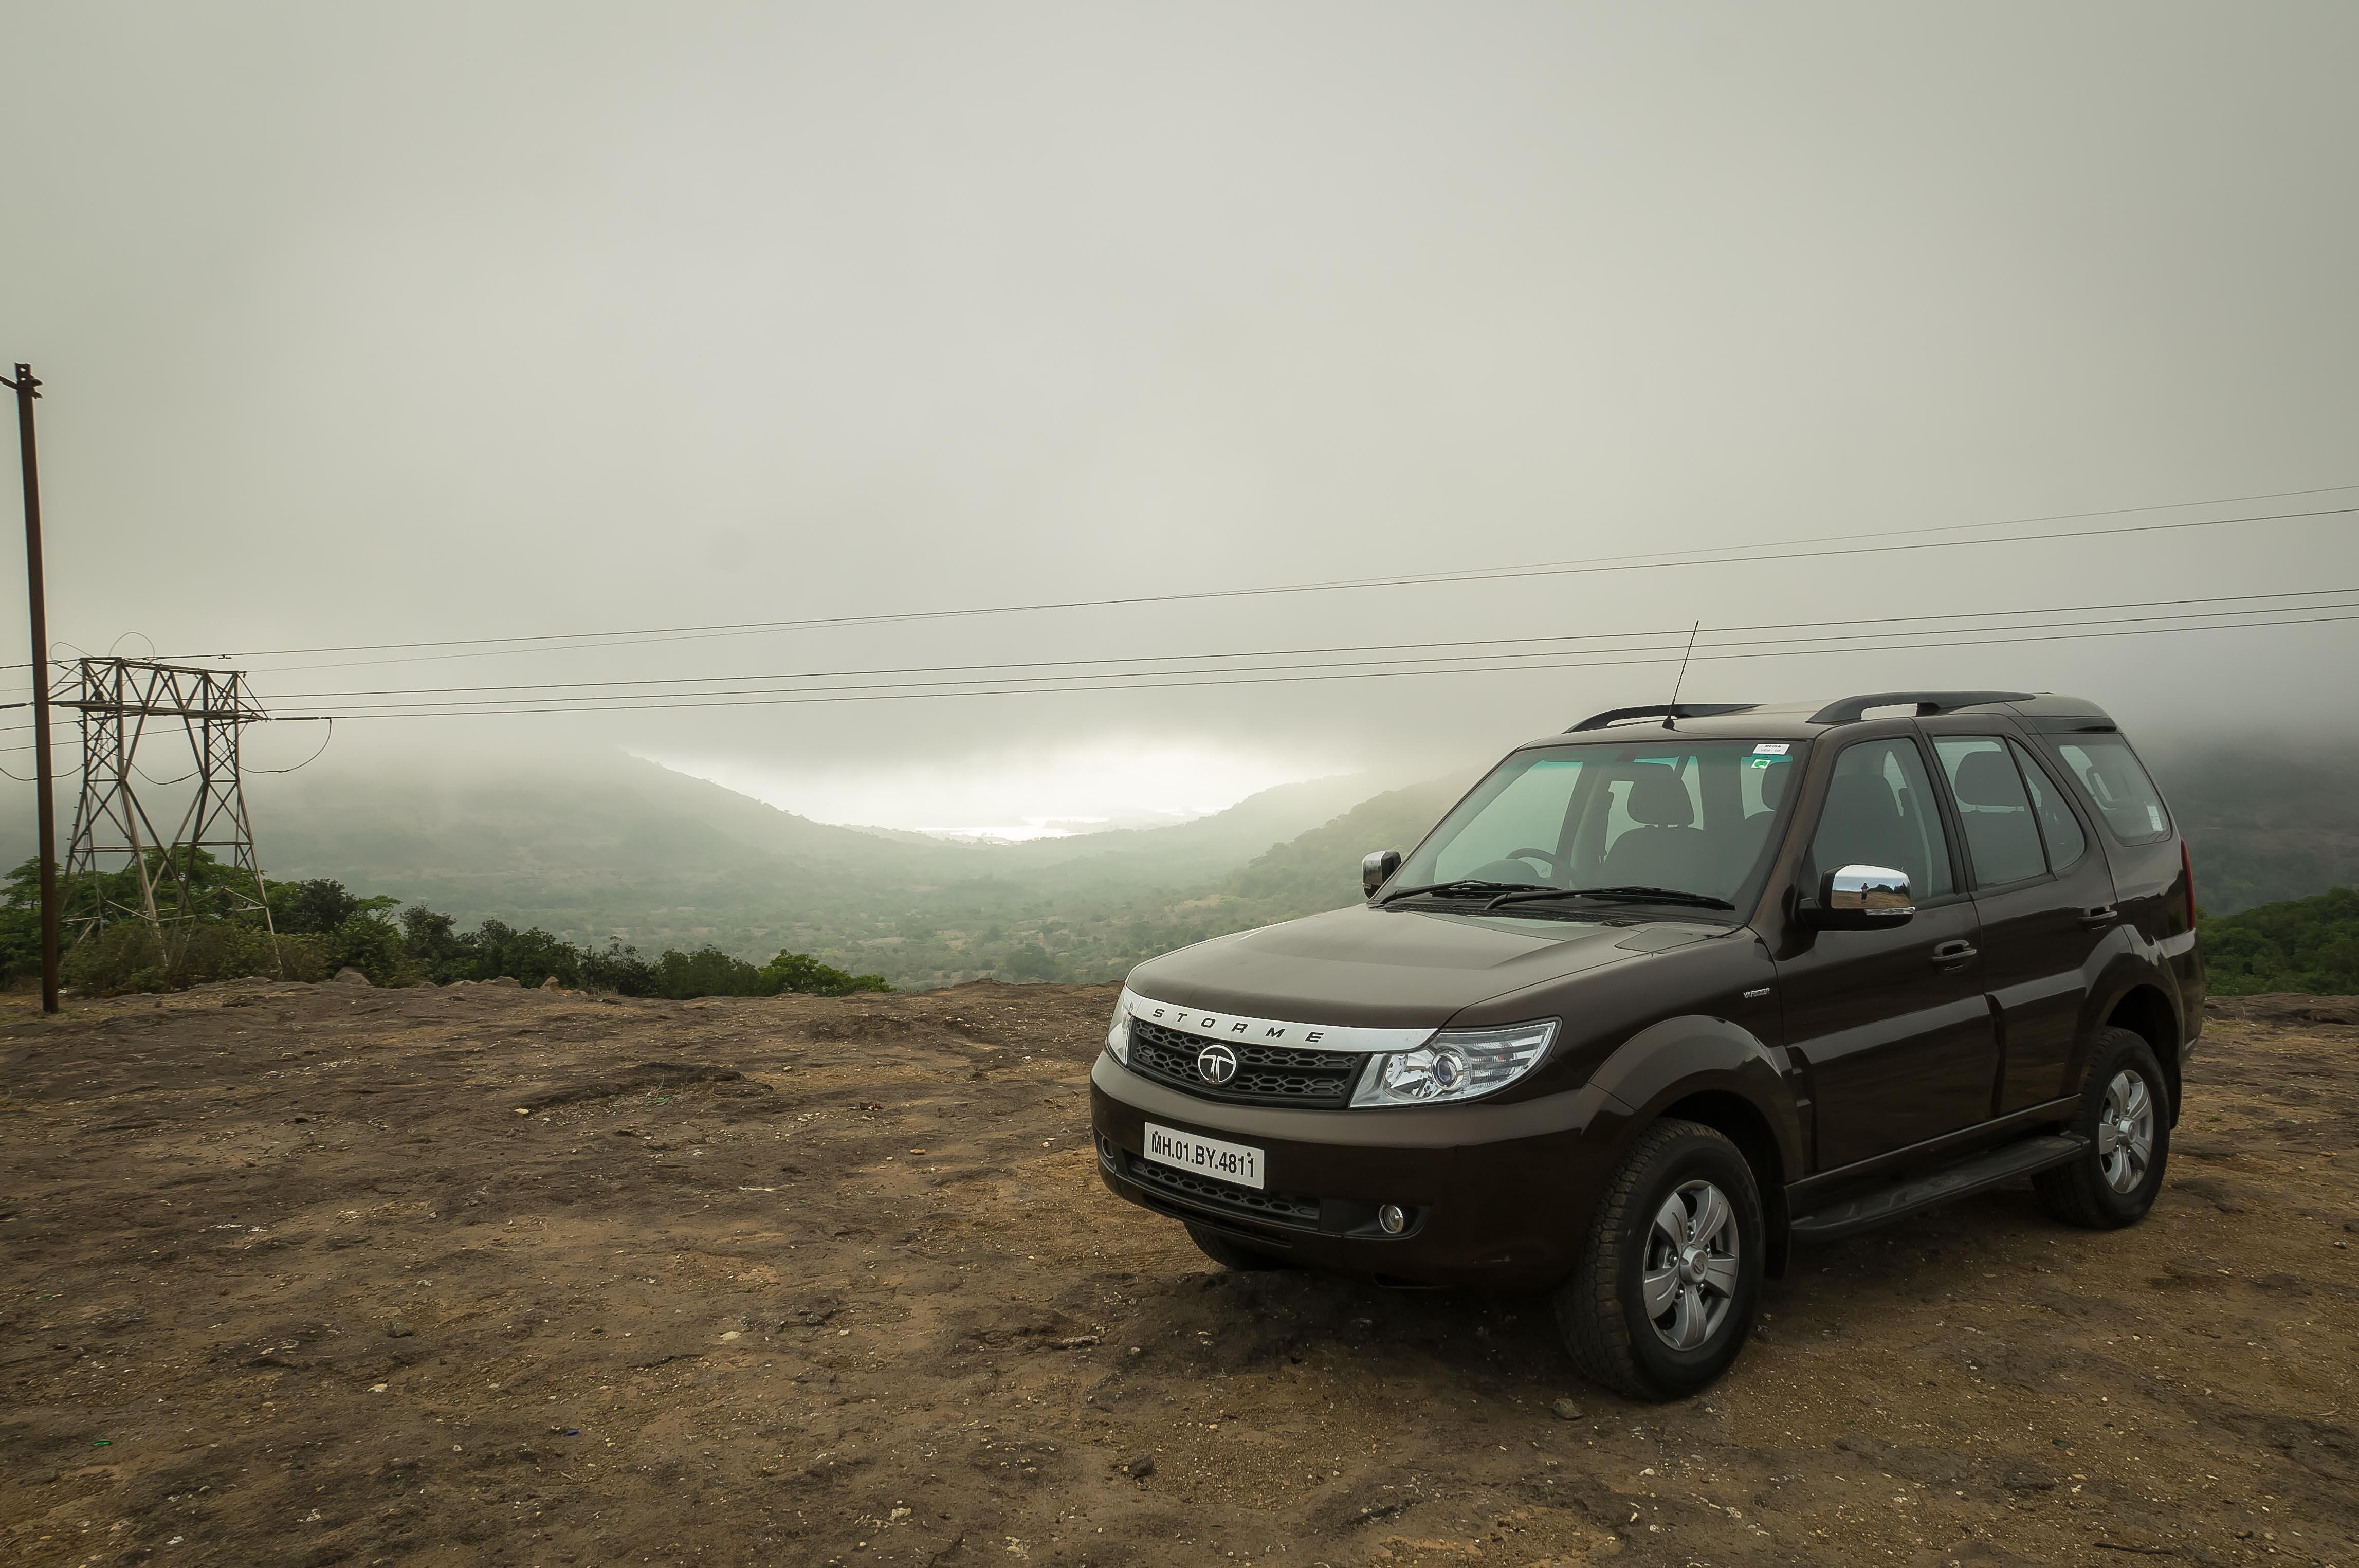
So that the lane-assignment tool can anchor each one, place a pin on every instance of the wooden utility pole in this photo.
(44, 781)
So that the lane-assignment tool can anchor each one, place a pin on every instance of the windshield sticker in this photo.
(1771, 748)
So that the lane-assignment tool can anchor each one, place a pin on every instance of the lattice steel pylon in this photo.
(118, 697)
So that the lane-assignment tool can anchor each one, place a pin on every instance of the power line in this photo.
(307, 761)
(1269, 679)
(1651, 561)
(1433, 663)
(1296, 652)
(742, 700)
(1149, 679)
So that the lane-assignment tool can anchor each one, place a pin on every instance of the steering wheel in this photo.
(1512, 867)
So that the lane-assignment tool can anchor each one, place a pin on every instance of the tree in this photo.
(1031, 962)
(319, 905)
(801, 973)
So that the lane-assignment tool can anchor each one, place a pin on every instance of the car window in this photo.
(1526, 811)
(1646, 774)
(2061, 830)
(2002, 839)
(1695, 816)
(1764, 782)
(2109, 770)
(1879, 812)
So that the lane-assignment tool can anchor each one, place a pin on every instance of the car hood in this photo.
(1391, 967)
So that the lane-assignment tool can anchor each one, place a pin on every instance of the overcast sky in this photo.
(388, 324)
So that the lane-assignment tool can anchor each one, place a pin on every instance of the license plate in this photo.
(1235, 1162)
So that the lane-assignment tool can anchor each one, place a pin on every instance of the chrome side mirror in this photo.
(1377, 869)
(1860, 898)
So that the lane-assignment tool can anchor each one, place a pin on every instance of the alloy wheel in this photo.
(1690, 1281)
(2126, 1132)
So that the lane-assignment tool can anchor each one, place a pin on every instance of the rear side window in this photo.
(2109, 772)
(1995, 811)
(2065, 842)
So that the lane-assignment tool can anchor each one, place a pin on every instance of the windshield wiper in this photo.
(1470, 885)
(1617, 895)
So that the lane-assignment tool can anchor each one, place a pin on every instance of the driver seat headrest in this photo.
(1658, 798)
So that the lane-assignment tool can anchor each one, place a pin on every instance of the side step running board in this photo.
(1983, 1171)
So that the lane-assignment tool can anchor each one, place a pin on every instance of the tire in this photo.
(1602, 1310)
(1231, 1254)
(2116, 1181)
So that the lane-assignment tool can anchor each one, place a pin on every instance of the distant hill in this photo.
(2265, 820)
(2304, 944)
(607, 847)
(1315, 871)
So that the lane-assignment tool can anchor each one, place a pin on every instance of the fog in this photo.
(384, 326)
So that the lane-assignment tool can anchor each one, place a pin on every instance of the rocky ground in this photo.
(328, 1275)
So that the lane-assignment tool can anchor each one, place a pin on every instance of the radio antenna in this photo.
(1672, 714)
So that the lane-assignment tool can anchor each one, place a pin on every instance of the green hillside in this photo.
(604, 848)
(2304, 944)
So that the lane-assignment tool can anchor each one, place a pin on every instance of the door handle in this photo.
(2105, 915)
(1951, 954)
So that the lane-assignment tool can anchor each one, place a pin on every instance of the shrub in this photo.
(322, 928)
(2302, 945)
(375, 947)
(319, 905)
(127, 957)
(707, 972)
(806, 975)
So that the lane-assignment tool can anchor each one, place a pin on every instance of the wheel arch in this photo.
(2147, 1012)
(1714, 1073)
(1739, 1120)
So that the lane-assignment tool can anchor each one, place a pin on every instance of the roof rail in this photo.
(1667, 711)
(1851, 709)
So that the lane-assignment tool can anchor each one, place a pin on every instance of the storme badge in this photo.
(1240, 1030)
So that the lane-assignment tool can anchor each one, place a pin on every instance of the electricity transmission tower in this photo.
(111, 829)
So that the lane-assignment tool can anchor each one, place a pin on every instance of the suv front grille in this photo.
(1267, 1074)
(1203, 1193)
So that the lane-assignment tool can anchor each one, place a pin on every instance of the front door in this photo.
(1892, 1024)
(2046, 899)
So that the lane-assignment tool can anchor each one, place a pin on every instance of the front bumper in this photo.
(1496, 1194)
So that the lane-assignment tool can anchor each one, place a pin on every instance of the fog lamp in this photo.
(1391, 1217)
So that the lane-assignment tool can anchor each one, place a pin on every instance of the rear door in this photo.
(2045, 897)
(1892, 1024)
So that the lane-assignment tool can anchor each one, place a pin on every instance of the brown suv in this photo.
(1672, 989)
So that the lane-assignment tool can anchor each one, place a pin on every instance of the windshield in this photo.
(1686, 816)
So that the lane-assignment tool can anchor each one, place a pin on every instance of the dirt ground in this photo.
(326, 1275)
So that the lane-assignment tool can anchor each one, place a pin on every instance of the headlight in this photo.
(1460, 1064)
(1118, 1035)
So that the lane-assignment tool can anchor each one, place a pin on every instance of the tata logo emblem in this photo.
(1218, 1065)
